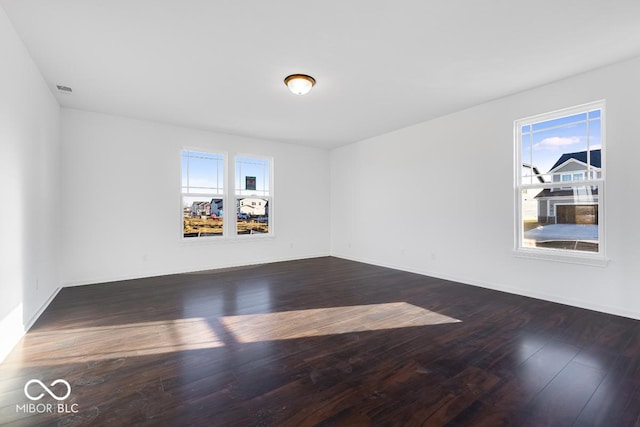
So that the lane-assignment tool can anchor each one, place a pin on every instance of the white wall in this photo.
(121, 202)
(101, 201)
(447, 188)
(29, 189)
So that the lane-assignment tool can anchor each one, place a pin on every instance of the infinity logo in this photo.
(45, 388)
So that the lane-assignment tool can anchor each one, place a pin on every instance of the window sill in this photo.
(555, 255)
(225, 239)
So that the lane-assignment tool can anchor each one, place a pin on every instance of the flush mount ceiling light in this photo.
(300, 84)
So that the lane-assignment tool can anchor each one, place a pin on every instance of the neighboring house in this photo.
(253, 206)
(571, 204)
(216, 207)
(200, 209)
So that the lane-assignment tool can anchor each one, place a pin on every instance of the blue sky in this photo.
(204, 173)
(544, 142)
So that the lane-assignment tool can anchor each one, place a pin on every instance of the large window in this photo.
(206, 191)
(560, 177)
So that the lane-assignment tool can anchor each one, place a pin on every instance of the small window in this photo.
(202, 194)
(253, 195)
(560, 183)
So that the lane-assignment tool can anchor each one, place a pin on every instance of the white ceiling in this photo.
(380, 65)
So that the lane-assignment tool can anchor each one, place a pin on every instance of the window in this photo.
(204, 194)
(253, 195)
(559, 177)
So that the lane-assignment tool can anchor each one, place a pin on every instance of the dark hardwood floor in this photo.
(325, 342)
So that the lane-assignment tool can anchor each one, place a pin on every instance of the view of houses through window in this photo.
(253, 198)
(204, 193)
(560, 180)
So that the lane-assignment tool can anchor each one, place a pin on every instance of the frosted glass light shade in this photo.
(300, 84)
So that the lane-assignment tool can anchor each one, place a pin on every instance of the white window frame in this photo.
(229, 228)
(562, 255)
(206, 195)
(233, 194)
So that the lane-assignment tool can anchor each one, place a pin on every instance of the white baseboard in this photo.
(107, 279)
(617, 311)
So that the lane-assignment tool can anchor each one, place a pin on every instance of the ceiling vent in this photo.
(64, 89)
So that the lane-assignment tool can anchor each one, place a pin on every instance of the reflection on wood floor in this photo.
(322, 341)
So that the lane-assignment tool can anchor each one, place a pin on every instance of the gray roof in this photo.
(581, 156)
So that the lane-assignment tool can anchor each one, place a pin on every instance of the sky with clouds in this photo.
(543, 143)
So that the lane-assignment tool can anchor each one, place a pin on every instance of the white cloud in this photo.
(556, 142)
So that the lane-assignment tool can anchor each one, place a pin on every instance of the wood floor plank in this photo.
(321, 342)
(563, 399)
(614, 403)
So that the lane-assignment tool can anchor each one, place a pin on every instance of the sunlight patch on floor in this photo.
(81, 345)
(329, 321)
(94, 343)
